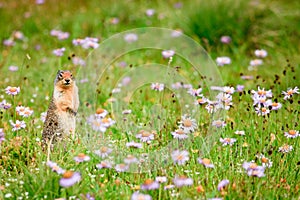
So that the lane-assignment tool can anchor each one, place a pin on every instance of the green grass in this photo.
(273, 26)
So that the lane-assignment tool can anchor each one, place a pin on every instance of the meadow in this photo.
(178, 99)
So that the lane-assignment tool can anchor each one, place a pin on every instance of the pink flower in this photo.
(225, 39)
(12, 90)
(59, 52)
(180, 157)
(168, 53)
(69, 178)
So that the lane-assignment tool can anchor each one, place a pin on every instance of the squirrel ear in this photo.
(59, 71)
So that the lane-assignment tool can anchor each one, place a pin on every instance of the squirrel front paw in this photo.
(71, 111)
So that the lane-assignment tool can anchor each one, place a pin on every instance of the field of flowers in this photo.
(178, 99)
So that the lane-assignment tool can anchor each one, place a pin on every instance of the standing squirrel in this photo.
(61, 115)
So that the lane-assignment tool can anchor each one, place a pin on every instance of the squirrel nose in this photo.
(67, 80)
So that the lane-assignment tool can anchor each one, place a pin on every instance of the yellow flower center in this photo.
(290, 92)
(13, 89)
(187, 123)
(99, 111)
(148, 182)
(180, 157)
(200, 100)
(227, 139)
(253, 165)
(180, 132)
(146, 134)
(105, 120)
(263, 109)
(205, 161)
(262, 92)
(68, 174)
(264, 160)
(292, 132)
(81, 155)
(274, 104)
(103, 149)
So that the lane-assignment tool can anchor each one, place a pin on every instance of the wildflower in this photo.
(237, 132)
(285, 148)
(168, 53)
(275, 106)
(201, 101)
(24, 111)
(39, 2)
(103, 151)
(228, 90)
(219, 123)
(266, 162)
(223, 184)
(43, 116)
(290, 92)
(2, 136)
(227, 141)
(130, 159)
(8, 195)
(104, 164)
(145, 136)
(161, 179)
(121, 167)
(180, 157)
(69, 178)
(206, 162)
(4, 105)
(256, 62)
(180, 134)
(12, 90)
(150, 185)
(101, 113)
(225, 39)
(131, 37)
(114, 20)
(60, 34)
(261, 53)
(291, 134)
(140, 196)
(195, 92)
(9, 42)
(211, 107)
(150, 12)
(18, 125)
(247, 77)
(253, 169)
(176, 85)
(78, 61)
(180, 181)
(81, 157)
(13, 68)
(187, 124)
(134, 144)
(126, 112)
(157, 86)
(240, 88)
(261, 93)
(168, 187)
(261, 111)
(88, 197)
(176, 33)
(221, 61)
(59, 52)
(55, 168)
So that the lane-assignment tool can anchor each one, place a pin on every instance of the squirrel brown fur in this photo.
(61, 115)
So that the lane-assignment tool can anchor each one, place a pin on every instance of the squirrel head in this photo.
(64, 79)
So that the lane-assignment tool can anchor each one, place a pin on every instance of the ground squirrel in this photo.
(60, 120)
